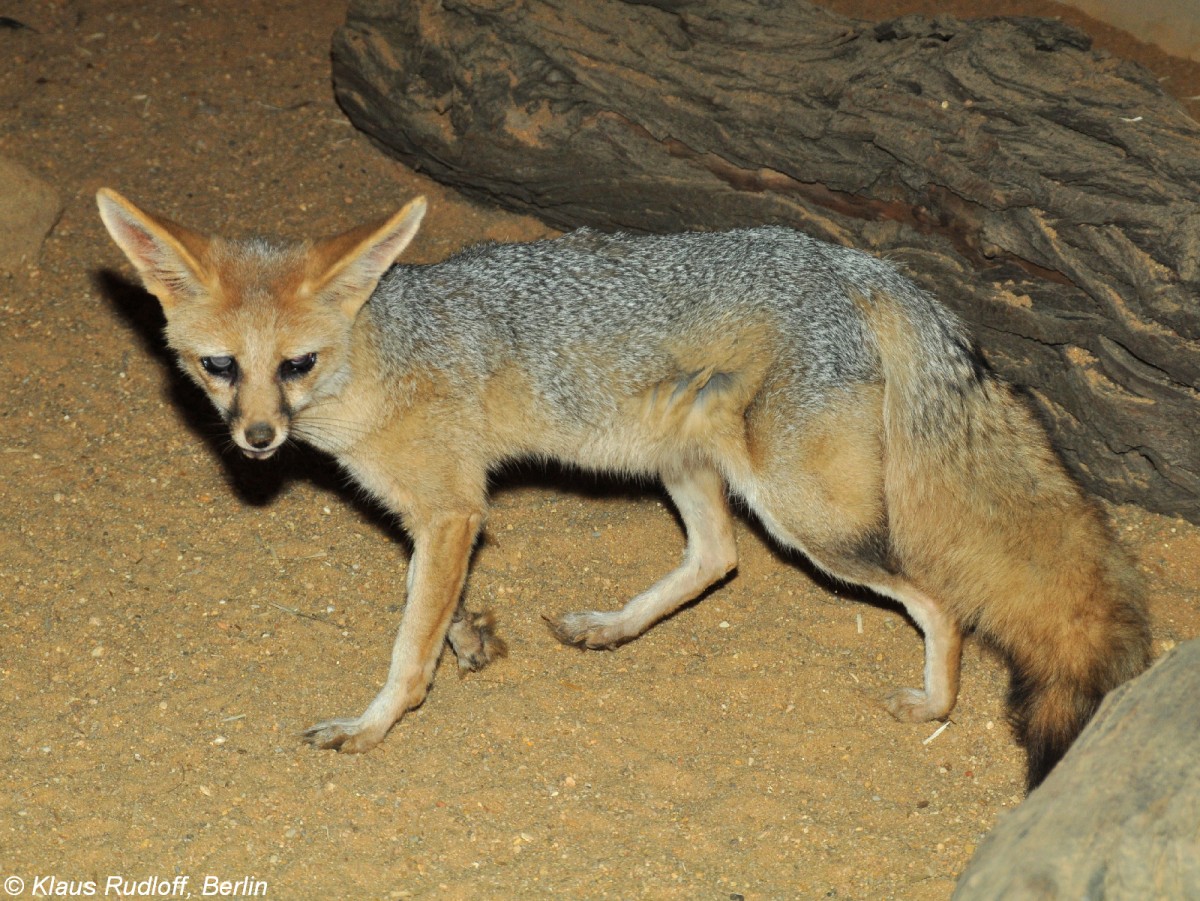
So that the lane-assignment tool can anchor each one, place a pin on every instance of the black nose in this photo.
(260, 435)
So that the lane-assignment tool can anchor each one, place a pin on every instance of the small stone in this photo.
(29, 208)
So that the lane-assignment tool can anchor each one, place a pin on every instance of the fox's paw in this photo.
(601, 631)
(912, 705)
(350, 735)
(475, 642)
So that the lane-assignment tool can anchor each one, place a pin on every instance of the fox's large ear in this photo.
(166, 255)
(345, 269)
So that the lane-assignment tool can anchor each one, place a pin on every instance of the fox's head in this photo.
(263, 328)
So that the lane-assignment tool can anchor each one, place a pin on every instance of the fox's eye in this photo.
(297, 366)
(222, 367)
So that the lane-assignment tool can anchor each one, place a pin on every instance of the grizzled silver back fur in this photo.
(592, 318)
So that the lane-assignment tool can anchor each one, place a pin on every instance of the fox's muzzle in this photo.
(259, 440)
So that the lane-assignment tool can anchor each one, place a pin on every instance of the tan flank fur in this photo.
(843, 405)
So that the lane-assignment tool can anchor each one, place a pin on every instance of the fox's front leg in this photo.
(441, 552)
(699, 496)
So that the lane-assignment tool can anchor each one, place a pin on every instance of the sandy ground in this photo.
(172, 616)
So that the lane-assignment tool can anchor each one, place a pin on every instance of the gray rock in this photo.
(1119, 817)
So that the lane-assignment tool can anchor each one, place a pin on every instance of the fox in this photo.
(847, 409)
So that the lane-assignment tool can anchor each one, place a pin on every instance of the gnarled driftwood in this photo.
(1046, 192)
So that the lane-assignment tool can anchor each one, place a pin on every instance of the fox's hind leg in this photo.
(699, 496)
(819, 489)
(855, 559)
(943, 658)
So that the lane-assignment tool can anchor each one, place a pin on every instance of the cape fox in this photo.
(841, 403)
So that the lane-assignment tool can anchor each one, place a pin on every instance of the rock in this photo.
(1119, 817)
(29, 208)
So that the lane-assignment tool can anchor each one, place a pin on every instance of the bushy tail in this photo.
(984, 518)
(1049, 709)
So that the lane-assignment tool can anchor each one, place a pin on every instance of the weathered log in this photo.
(1046, 192)
(1119, 817)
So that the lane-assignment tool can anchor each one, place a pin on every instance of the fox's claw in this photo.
(597, 631)
(475, 642)
(912, 705)
(348, 735)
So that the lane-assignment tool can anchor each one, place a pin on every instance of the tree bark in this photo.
(1119, 817)
(1046, 192)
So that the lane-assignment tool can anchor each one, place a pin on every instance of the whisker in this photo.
(319, 436)
(345, 423)
(315, 427)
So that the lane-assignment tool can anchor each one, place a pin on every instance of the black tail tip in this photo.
(1047, 721)
(1042, 759)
